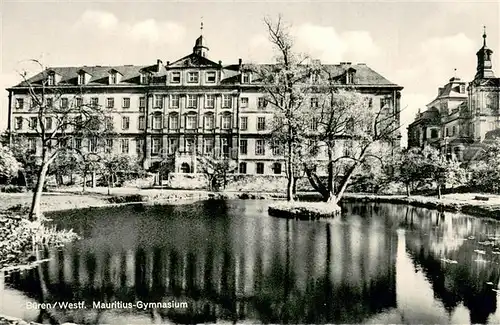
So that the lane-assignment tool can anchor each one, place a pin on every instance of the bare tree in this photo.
(216, 170)
(60, 122)
(286, 92)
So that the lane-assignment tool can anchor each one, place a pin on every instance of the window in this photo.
(50, 102)
(174, 101)
(142, 102)
(434, 133)
(209, 122)
(447, 132)
(243, 168)
(108, 123)
(314, 124)
(190, 145)
(109, 146)
(193, 76)
(142, 124)
(32, 144)
(125, 123)
(20, 103)
(94, 101)
(110, 102)
(64, 103)
(260, 149)
(245, 78)
(314, 102)
(126, 102)
(79, 102)
(33, 123)
(156, 146)
(350, 77)
(191, 122)
(385, 102)
(51, 79)
(314, 77)
(277, 168)
(192, 101)
(211, 77)
(81, 78)
(144, 78)
(175, 78)
(225, 146)
(92, 145)
(277, 148)
(157, 122)
(139, 146)
(210, 101)
(462, 89)
(243, 123)
(262, 102)
(243, 147)
(244, 102)
(261, 123)
(19, 123)
(453, 130)
(209, 146)
(48, 123)
(260, 168)
(78, 143)
(226, 101)
(172, 145)
(226, 122)
(113, 77)
(124, 146)
(173, 122)
(158, 101)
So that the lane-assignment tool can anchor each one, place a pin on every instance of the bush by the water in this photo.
(12, 189)
(126, 198)
(18, 235)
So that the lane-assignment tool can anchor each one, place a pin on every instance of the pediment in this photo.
(193, 60)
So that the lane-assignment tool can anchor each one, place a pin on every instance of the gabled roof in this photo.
(193, 60)
(364, 75)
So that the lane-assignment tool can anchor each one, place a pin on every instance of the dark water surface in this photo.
(231, 262)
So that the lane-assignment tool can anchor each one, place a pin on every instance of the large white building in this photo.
(185, 107)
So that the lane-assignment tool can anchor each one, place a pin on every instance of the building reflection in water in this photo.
(230, 261)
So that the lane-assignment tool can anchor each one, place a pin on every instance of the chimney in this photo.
(158, 65)
(168, 63)
(240, 61)
(220, 63)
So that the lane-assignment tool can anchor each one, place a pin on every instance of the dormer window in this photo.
(314, 77)
(81, 78)
(245, 78)
(462, 89)
(114, 77)
(51, 79)
(144, 78)
(350, 76)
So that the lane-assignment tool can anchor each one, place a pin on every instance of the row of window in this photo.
(259, 168)
(191, 122)
(191, 102)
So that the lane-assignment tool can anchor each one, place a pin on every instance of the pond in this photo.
(228, 261)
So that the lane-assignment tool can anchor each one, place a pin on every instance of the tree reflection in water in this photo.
(230, 261)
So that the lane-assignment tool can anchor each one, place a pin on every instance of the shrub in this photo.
(13, 189)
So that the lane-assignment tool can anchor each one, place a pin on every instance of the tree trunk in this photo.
(408, 190)
(84, 181)
(316, 183)
(37, 196)
(289, 187)
(109, 183)
(331, 176)
(345, 181)
(94, 180)
(439, 191)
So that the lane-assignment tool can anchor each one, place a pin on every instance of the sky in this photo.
(417, 45)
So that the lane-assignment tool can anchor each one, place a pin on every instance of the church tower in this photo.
(484, 65)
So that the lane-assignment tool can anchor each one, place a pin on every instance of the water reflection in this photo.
(232, 262)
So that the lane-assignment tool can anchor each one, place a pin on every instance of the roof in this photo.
(364, 75)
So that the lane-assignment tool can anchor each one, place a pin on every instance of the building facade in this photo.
(463, 114)
(184, 108)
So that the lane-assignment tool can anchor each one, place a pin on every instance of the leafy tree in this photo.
(485, 169)
(57, 124)
(9, 166)
(411, 169)
(90, 164)
(115, 165)
(216, 170)
(441, 170)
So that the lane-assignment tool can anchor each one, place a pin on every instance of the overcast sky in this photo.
(416, 45)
